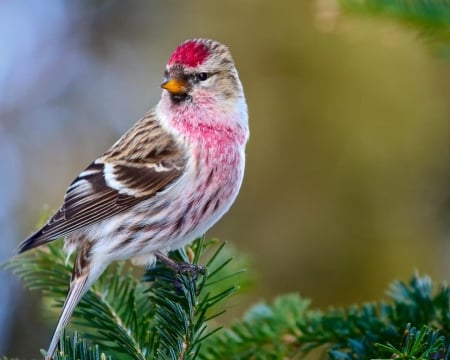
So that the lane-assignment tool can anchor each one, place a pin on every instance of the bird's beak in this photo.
(174, 86)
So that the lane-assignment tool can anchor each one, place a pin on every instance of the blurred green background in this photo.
(347, 179)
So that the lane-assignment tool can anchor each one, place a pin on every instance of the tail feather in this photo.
(77, 289)
(84, 275)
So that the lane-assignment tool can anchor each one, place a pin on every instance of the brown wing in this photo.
(145, 161)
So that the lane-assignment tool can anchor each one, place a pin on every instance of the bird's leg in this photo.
(181, 268)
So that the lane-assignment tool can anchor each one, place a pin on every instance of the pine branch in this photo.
(76, 348)
(168, 315)
(181, 316)
(434, 13)
(430, 17)
(165, 317)
(419, 344)
(287, 328)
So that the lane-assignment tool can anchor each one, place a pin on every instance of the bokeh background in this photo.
(347, 183)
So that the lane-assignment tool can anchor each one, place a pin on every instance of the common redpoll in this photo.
(164, 182)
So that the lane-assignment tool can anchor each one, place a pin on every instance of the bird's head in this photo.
(201, 71)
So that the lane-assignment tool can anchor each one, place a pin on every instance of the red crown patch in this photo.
(190, 53)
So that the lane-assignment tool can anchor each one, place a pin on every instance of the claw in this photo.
(181, 268)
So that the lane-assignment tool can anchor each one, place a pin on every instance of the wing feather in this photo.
(145, 161)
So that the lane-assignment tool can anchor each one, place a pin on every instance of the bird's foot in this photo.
(181, 268)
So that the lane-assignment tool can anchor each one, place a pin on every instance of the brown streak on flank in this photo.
(82, 261)
(126, 241)
(213, 197)
(209, 178)
(216, 205)
(156, 208)
(120, 229)
(206, 206)
(182, 218)
(136, 228)
(121, 244)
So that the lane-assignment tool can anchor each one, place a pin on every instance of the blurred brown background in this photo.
(348, 169)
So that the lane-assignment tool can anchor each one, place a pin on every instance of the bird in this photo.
(164, 183)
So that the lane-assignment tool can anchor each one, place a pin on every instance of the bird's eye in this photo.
(202, 76)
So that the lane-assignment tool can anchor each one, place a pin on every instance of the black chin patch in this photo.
(178, 98)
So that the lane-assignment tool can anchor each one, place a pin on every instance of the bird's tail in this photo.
(76, 292)
(84, 275)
